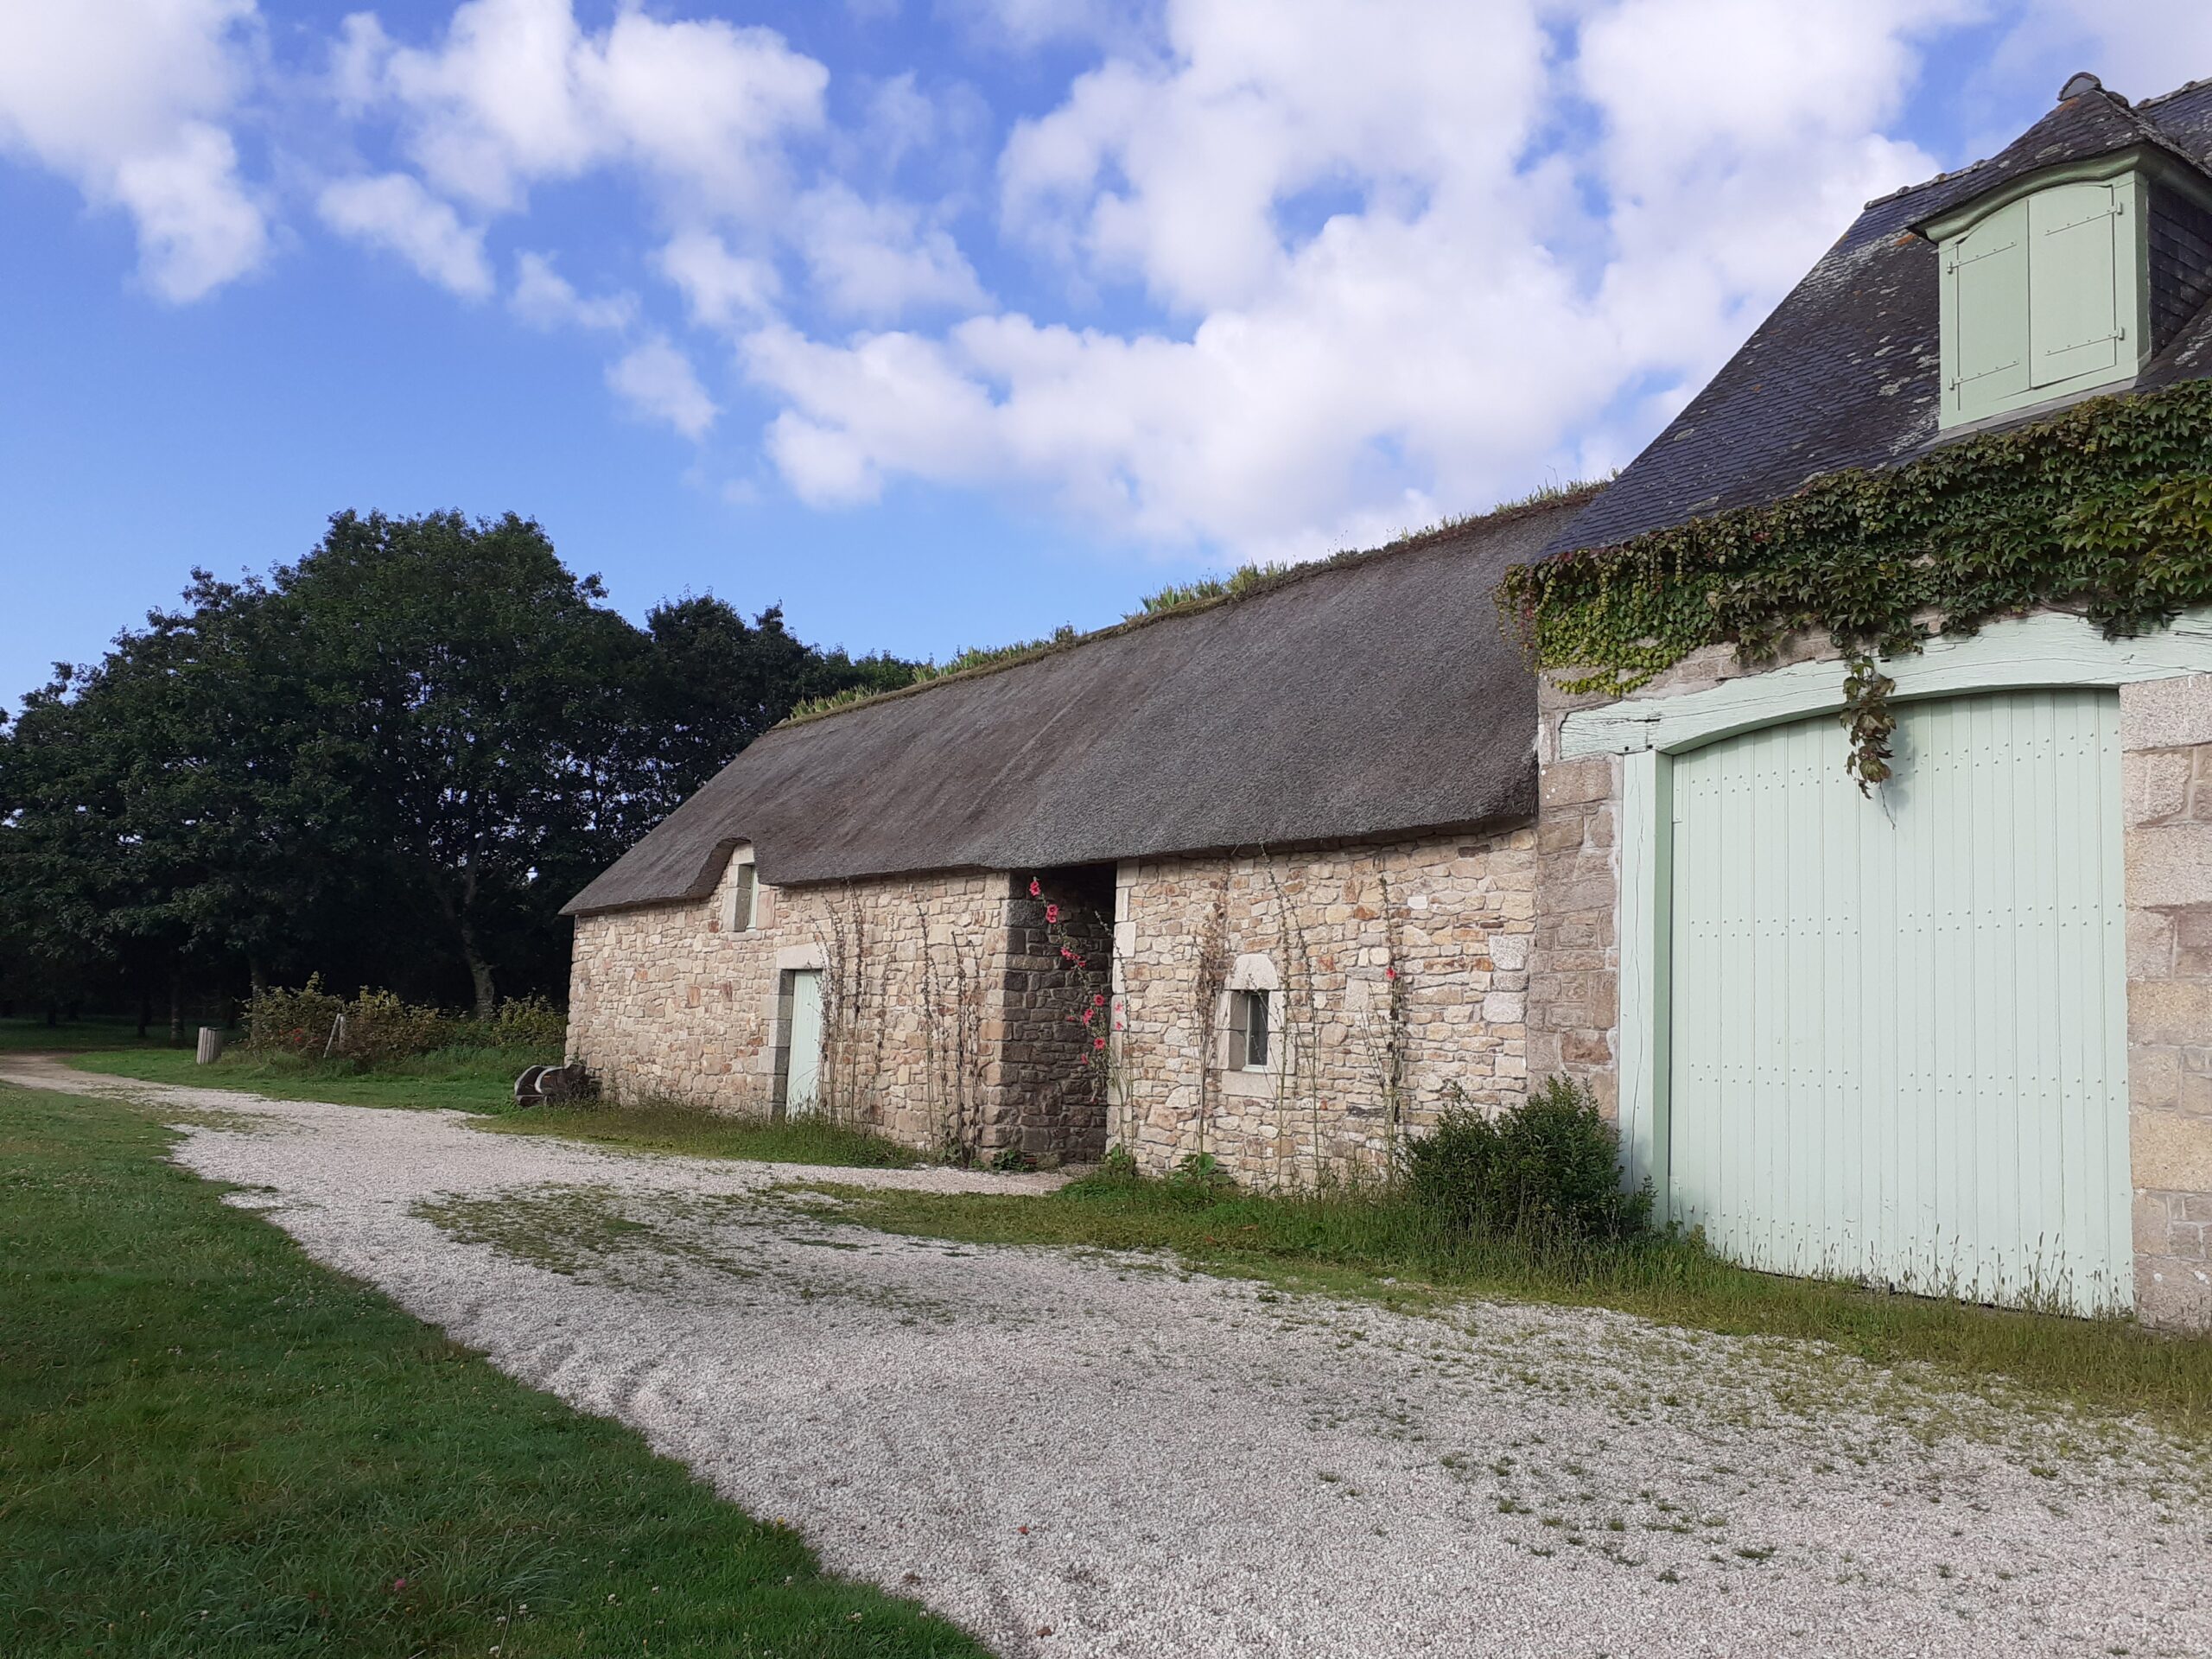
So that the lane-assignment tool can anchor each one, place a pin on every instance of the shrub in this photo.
(1199, 1177)
(375, 1028)
(1546, 1171)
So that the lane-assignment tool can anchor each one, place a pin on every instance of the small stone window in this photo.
(737, 918)
(1249, 1030)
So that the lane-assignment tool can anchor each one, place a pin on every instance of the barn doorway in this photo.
(1899, 1024)
(798, 1051)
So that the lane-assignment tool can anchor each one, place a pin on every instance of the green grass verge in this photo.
(1375, 1246)
(671, 1127)
(98, 1032)
(214, 1447)
(465, 1079)
(482, 1081)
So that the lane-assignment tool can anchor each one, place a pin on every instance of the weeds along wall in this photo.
(1396, 975)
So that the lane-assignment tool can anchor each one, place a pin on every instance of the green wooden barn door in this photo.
(804, 1075)
(1898, 1043)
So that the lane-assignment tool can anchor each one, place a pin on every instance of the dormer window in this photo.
(2045, 294)
(738, 904)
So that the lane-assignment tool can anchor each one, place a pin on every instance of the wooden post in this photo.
(211, 1045)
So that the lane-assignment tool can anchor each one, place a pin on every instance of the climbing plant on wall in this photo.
(2105, 509)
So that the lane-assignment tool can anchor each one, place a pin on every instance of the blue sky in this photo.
(939, 323)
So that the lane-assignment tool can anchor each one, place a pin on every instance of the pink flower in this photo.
(1098, 1042)
(1087, 1012)
(1052, 913)
(1067, 954)
(398, 1585)
(1389, 973)
(1036, 888)
(1099, 1001)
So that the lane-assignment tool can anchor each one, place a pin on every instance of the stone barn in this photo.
(1253, 878)
(1850, 840)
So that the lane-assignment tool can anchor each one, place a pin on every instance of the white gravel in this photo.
(1150, 1464)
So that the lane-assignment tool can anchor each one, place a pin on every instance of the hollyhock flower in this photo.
(1086, 1016)
(1052, 913)
(1389, 973)
(1098, 1042)
(1098, 1000)
(1036, 888)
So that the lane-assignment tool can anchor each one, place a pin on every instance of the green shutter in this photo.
(1985, 315)
(2074, 303)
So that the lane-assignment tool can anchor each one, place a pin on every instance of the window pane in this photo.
(742, 900)
(1255, 1042)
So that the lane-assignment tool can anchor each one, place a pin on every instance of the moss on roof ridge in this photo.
(1543, 500)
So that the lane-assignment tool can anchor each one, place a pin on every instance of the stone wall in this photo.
(1397, 970)
(1059, 949)
(2166, 777)
(665, 1004)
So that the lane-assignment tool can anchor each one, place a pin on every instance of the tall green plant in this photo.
(1546, 1171)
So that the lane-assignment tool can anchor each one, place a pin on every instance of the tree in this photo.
(391, 761)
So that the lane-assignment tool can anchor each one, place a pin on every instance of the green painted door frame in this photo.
(1646, 735)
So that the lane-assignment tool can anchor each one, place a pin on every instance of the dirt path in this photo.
(1147, 1464)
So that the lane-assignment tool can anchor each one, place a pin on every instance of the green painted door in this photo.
(803, 1082)
(1899, 1025)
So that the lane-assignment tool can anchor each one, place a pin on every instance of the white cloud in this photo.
(878, 260)
(2140, 49)
(545, 299)
(656, 380)
(1402, 277)
(1363, 258)
(518, 92)
(395, 212)
(719, 286)
(126, 99)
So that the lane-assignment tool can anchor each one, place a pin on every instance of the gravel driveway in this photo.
(1098, 1455)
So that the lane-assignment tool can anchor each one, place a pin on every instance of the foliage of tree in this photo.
(390, 763)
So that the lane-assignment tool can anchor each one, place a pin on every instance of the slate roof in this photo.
(1370, 695)
(1845, 373)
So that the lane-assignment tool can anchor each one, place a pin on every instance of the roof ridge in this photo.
(1574, 496)
(2132, 112)
(2163, 97)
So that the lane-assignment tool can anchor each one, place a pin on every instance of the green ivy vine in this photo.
(2105, 510)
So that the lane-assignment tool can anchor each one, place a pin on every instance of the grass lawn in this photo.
(467, 1079)
(97, 1031)
(214, 1447)
(710, 1135)
(482, 1081)
(1391, 1251)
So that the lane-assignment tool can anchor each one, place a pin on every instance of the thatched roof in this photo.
(1370, 695)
